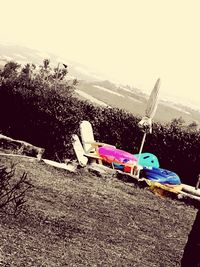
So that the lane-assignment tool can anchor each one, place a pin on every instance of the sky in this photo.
(132, 41)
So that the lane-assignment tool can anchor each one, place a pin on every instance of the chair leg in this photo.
(100, 161)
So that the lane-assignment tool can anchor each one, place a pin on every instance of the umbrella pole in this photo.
(142, 144)
(141, 147)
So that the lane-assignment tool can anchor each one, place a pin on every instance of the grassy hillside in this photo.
(83, 220)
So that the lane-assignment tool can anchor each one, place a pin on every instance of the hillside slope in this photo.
(134, 101)
(84, 220)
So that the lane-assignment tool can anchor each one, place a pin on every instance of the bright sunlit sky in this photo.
(131, 41)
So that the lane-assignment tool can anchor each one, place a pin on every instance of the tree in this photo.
(193, 126)
(60, 72)
(27, 72)
(10, 69)
(177, 122)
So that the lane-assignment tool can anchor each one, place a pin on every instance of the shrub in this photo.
(12, 191)
(38, 108)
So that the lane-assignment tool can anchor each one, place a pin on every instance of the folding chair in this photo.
(90, 146)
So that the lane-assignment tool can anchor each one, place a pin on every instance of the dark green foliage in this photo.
(38, 106)
(12, 191)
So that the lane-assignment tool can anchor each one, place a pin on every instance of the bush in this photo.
(38, 108)
(12, 191)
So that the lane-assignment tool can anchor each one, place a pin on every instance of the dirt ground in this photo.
(85, 220)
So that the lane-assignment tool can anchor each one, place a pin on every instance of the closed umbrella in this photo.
(153, 101)
(150, 111)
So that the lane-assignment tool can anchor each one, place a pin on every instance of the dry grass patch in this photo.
(84, 220)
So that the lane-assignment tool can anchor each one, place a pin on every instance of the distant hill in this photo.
(100, 90)
(133, 100)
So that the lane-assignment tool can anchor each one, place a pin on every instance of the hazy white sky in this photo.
(132, 41)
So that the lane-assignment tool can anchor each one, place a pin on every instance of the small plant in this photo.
(12, 190)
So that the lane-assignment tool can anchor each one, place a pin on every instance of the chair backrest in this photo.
(87, 135)
(78, 148)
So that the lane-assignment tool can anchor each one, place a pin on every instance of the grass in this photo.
(84, 220)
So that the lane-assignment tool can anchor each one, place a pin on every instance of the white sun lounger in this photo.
(90, 146)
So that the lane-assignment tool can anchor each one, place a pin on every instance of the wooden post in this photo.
(198, 182)
(25, 147)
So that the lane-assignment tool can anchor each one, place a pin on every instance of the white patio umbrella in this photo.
(153, 101)
(149, 113)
